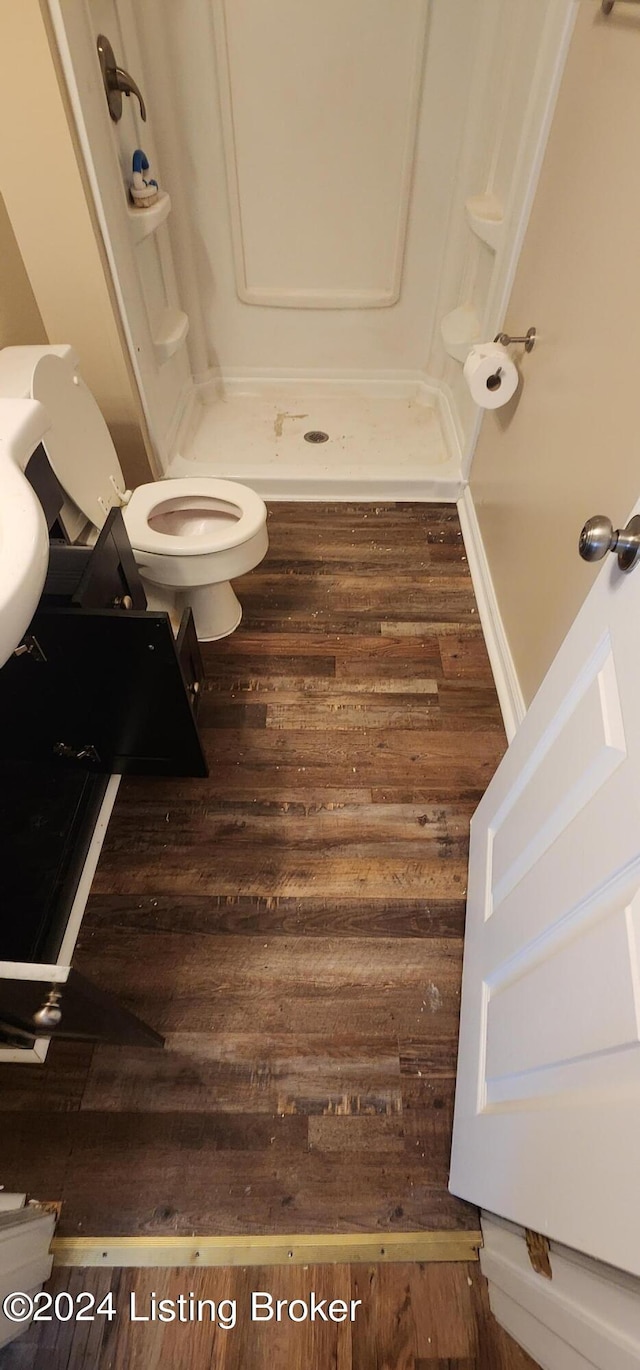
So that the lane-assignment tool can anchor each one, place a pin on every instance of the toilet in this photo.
(190, 537)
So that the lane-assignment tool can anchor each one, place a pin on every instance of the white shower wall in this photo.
(311, 153)
(348, 181)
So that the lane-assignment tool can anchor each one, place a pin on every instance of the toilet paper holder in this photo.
(607, 6)
(529, 339)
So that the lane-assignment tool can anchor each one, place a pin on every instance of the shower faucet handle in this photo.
(125, 83)
(117, 82)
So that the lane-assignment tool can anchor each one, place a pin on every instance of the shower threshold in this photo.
(384, 439)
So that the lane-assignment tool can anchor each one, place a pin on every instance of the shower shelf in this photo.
(146, 221)
(170, 335)
(460, 330)
(485, 217)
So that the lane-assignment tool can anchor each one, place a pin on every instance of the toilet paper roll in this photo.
(491, 375)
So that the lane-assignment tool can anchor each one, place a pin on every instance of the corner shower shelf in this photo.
(172, 331)
(146, 221)
(485, 217)
(460, 330)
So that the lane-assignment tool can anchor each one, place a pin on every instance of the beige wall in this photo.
(569, 445)
(20, 320)
(47, 207)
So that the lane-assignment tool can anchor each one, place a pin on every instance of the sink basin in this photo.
(24, 540)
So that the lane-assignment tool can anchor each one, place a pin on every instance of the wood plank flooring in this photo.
(293, 924)
(413, 1317)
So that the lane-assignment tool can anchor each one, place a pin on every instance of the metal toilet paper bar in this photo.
(529, 339)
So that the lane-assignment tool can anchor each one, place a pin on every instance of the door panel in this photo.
(561, 778)
(548, 1097)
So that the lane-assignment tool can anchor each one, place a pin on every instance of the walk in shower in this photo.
(344, 188)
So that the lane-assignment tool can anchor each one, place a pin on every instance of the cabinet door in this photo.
(104, 576)
(87, 1014)
(111, 579)
(105, 690)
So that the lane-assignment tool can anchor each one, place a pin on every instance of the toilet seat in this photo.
(190, 537)
(205, 495)
(83, 457)
(78, 444)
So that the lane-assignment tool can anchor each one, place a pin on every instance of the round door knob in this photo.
(597, 538)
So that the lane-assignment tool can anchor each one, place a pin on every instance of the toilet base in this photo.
(216, 609)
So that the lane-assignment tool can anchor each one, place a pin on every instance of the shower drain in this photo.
(316, 435)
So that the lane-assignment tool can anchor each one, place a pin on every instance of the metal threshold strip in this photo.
(295, 1249)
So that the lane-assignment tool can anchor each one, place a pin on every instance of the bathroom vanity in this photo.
(99, 687)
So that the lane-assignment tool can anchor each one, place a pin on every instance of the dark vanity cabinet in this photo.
(101, 681)
(100, 687)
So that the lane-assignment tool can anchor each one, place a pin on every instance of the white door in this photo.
(547, 1121)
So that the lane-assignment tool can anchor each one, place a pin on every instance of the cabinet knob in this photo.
(70, 753)
(49, 1015)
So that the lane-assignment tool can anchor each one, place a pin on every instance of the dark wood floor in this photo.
(294, 923)
(413, 1317)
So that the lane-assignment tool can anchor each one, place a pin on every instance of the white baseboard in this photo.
(502, 664)
(587, 1317)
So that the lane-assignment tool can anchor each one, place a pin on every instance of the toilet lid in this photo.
(78, 444)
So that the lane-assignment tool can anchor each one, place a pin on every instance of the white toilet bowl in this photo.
(190, 538)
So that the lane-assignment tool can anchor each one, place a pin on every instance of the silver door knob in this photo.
(599, 537)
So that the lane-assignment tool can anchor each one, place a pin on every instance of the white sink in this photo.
(24, 540)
